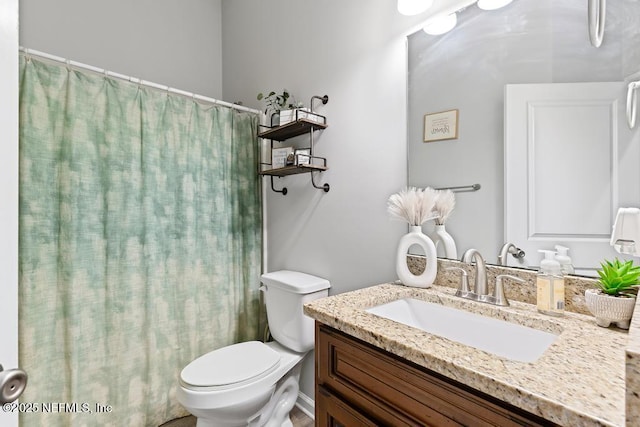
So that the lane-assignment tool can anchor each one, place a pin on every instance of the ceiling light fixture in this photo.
(413, 7)
(441, 24)
(492, 4)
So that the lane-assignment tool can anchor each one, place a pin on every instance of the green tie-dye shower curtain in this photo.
(140, 244)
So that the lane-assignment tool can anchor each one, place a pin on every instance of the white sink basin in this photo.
(504, 339)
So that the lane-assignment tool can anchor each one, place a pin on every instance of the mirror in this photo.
(529, 41)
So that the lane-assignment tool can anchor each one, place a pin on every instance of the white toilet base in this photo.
(274, 414)
(268, 408)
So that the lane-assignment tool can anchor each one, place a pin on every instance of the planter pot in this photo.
(608, 309)
(275, 119)
(416, 237)
(288, 116)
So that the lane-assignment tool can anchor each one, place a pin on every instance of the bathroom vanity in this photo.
(352, 374)
(374, 371)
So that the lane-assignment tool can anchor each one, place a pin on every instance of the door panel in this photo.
(9, 192)
(567, 166)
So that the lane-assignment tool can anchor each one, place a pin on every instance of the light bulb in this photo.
(492, 4)
(441, 25)
(413, 7)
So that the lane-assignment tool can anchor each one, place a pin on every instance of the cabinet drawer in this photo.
(395, 392)
(336, 413)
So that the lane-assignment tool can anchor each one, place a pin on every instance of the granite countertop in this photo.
(578, 381)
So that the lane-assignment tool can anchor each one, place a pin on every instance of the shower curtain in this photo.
(140, 244)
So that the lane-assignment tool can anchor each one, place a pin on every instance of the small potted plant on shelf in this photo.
(282, 109)
(614, 301)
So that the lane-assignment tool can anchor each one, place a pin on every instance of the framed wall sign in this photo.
(441, 126)
(303, 156)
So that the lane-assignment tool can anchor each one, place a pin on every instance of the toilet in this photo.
(254, 383)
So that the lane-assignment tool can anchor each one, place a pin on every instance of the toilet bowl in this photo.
(240, 401)
(254, 383)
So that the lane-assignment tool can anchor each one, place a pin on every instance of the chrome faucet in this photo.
(480, 287)
(480, 292)
(499, 298)
(509, 248)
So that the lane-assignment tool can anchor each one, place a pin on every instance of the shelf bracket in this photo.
(283, 191)
(324, 187)
(324, 99)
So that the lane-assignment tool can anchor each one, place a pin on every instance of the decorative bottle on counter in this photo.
(550, 284)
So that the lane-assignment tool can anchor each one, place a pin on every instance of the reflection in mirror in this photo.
(570, 194)
(467, 69)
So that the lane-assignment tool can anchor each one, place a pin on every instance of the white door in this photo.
(9, 192)
(570, 162)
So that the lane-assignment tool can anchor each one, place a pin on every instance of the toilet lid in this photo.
(231, 364)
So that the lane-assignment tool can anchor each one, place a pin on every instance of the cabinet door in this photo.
(376, 385)
(333, 412)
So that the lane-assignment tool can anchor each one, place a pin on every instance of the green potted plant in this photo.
(277, 103)
(615, 300)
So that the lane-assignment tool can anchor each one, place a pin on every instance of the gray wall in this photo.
(336, 49)
(529, 41)
(174, 43)
(354, 52)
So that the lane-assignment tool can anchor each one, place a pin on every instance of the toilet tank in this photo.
(285, 293)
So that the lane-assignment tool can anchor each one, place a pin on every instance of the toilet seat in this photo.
(230, 366)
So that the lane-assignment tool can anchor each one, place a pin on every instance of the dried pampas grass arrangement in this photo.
(445, 202)
(413, 205)
(417, 206)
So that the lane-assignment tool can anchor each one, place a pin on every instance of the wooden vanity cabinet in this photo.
(358, 384)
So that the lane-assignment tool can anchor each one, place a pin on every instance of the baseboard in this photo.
(306, 405)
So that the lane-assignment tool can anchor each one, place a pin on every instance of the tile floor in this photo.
(298, 418)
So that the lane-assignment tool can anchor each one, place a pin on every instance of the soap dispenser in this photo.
(566, 267)
(550, 284)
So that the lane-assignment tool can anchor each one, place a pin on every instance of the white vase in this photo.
(441, 238)
(427, 277)
(608, 309)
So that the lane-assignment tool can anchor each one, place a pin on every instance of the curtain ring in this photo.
(135, 81)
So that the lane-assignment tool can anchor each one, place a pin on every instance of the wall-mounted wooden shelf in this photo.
(291, 130)
(305, 122)
(293, 170)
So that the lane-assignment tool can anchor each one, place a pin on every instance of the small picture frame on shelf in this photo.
(279, 156)
(303, 156)
(441, 126)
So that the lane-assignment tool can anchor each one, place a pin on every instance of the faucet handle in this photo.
(464, 279)
(498, 293)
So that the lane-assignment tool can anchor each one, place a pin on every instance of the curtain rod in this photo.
(79, 65)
